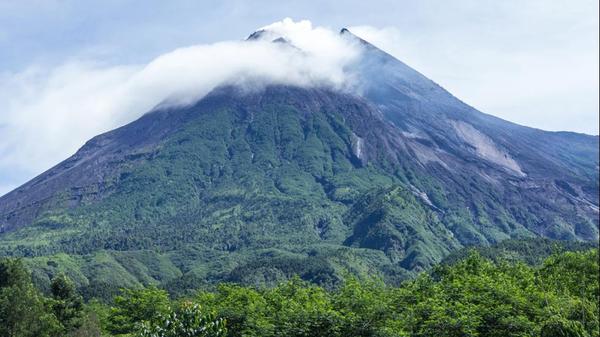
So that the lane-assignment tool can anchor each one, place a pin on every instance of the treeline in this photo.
(474, 296)
(532, 250)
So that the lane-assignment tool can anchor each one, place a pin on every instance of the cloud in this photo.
(46, 114)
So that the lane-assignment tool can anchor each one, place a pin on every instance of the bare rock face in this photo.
(401, 168)
(485, 147)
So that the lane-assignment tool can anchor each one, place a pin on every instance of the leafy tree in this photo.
(23, 310)
(474, 296)
(364, 305)
(245, 309)
(135, 306)
(90, 327)
(573, 273)
(187, 321)
(302, 310)
(67, 304)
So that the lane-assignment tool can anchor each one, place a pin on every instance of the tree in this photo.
(365, 307)
(245, 309)
(299, 309)
(24, 312)
(67, 304)
(187, 321)
(135, 306)
(90, 327)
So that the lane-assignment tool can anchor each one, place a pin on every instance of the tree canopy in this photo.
(474, 296)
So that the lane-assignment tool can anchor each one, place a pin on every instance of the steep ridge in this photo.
(255, 186)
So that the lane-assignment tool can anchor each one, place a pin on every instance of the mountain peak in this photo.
(257, 35)
(266, 35)
(398, 166)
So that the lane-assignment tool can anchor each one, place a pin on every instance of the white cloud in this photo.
(46, 114)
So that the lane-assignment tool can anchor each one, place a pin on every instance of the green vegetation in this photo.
(532, 251)
(473, 296)
(254, 191)
(102, 274)
(23, 311)
(223, 194)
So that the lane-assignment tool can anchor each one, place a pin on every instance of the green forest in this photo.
(472, 295)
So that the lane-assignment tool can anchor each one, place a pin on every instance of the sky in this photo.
(72, 69)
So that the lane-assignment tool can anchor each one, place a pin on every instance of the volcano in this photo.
(255, 186)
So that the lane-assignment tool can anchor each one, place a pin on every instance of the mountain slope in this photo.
(558, 170)
(254, 186)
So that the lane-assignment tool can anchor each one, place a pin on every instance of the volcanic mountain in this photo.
(254, 186)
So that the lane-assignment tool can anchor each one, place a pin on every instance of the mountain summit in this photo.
(254, 186)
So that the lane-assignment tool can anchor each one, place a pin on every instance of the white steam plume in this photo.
(46, 114)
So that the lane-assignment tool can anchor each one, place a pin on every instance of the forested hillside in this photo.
(472, 297)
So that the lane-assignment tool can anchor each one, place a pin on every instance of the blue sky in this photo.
(531, 62)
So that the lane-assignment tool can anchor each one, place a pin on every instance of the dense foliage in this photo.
(474, 296)
(531, 251)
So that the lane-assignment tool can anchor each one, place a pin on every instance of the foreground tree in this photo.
(472, 297)
(67, 304)
(135, 306)
(187, 321)
(24, 312)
